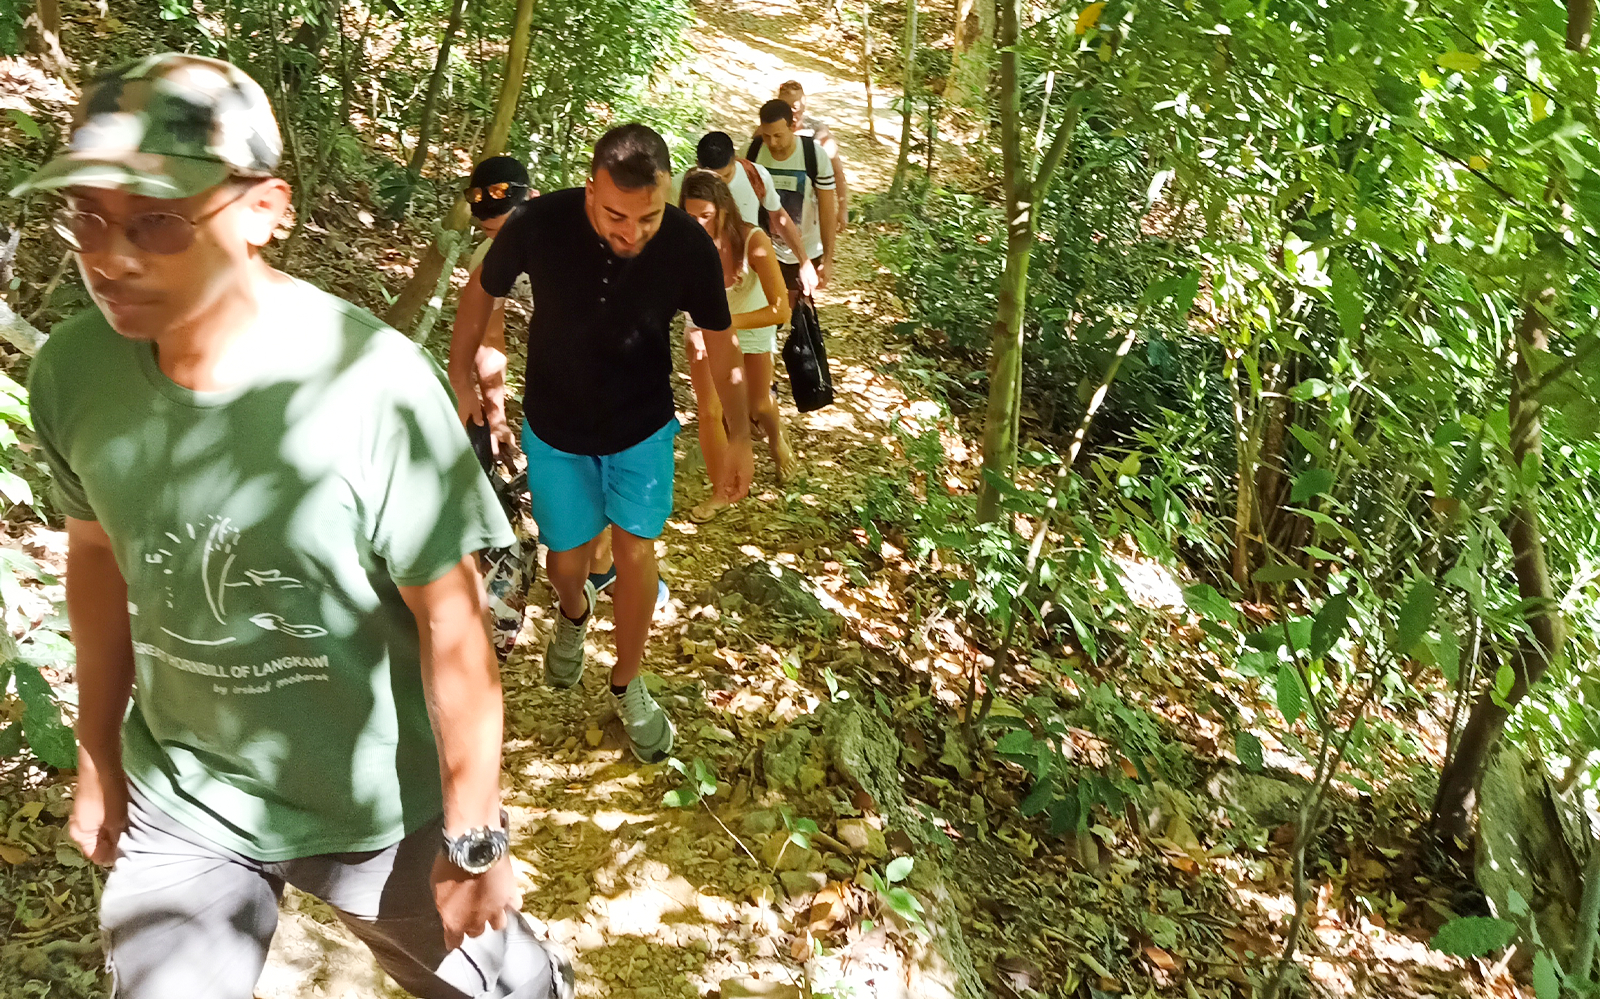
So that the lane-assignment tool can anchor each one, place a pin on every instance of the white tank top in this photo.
(746, 293)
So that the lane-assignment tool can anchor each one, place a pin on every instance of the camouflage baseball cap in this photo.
(166, 126)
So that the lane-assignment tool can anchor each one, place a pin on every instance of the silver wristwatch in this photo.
(477, 850)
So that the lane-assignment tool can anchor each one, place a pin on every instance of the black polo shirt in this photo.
(599, 376)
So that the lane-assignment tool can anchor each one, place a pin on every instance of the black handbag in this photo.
(805, 357)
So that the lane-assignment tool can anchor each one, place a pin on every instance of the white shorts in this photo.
(760, 341)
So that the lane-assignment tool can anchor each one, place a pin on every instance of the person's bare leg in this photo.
(764, 411)
(633, 598)
(568, 571)
(600, 561)
(708, 408)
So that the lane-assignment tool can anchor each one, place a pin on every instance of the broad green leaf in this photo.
(1037, 798)
(1184, 292)
(30, 127)
(1546, 976)
(1329, 624)
(1461, 62)
(1290, 698)
(1311, 388)
(1248, 748)
(1447, 653)
(1504, 678)
(1346, 293)
(679, 798)
(1473, 936)
(1204, 600)
(898, 868)
(10, 740)
(15, 488)
(1312, 482)
(1516, 904)
(51, 740)
(1017, 742)
(1416, 615)
(1279, 574)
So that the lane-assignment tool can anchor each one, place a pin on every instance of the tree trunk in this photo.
(962, 41)
(441, 67)
(902, 166)
(970, 63)
(1455, 804)
(1025, 188)
(1456, 801)
(417, 291)
(1588, 928)
(1005, 350)
(43, 31)
(866, 66)
(311, 37)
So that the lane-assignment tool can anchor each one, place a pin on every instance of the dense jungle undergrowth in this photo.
(1192, 593)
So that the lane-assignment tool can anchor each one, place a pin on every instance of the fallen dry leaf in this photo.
(1018, 972)
(828, 909)
(1160, 958)
(13, 854)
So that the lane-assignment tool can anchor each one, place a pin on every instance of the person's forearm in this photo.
(462, 683)
(842, 183)
(97, 606)
(494, 335)
(473, 314)
(829, 219)
(727, 370)
(789, 233)
(772, 315)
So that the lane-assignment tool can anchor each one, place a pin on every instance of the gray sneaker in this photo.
(563, 657)
(649, 729)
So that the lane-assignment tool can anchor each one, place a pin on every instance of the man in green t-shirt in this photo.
(271, 520)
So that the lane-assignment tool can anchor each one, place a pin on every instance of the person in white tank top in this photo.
(759, 305)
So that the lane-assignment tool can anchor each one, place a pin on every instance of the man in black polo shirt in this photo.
(610, 264)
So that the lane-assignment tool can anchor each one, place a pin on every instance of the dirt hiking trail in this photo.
(654, 901)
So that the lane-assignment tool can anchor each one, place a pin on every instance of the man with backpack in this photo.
(753, 191)
(803, 175)
(805, 124)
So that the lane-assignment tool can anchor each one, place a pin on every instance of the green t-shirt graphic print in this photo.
(263, 532)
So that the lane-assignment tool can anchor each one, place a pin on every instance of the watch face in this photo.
(481, 853)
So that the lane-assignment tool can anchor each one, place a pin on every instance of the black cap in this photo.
(498, 170)
(715, 151)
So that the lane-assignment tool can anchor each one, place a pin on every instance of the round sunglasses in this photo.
(163, 233)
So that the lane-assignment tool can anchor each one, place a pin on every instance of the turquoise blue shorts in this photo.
(574, 496)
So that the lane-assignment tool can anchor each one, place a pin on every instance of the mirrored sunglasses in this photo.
(493, 192)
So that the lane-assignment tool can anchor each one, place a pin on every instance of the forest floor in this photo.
(777, 882)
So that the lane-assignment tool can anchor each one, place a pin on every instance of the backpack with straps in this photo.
(753, 174)
(808, 146)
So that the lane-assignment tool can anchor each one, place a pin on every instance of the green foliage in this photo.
(895, 897)
(699, 781)
(800, 829)
(40, 730)
(1474, 936)
(51, 741)
(592, 65)
(11, 18)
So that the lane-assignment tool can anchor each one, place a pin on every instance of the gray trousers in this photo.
(185, 918)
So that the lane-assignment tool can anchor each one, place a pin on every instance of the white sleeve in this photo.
(770, 202)
(824, 169)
